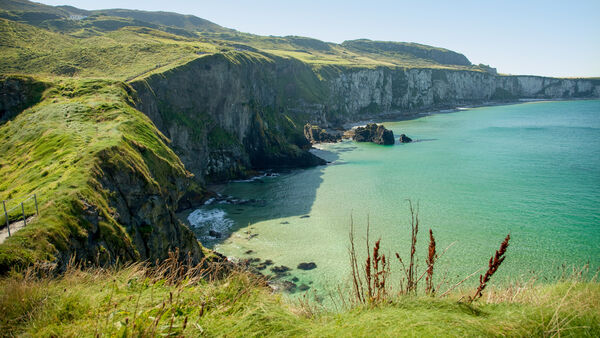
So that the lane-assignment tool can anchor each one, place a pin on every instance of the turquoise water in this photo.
(531, 170)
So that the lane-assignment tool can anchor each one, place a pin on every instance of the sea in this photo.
(475, 175)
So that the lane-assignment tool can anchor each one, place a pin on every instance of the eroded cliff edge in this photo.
(106, 182)
(230, 113)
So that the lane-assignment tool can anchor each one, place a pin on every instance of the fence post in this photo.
(23, 210)
(37, 211)
(6, 216)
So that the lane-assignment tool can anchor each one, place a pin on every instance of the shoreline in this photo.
(397, 116)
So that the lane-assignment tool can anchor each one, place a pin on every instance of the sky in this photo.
(549, 38)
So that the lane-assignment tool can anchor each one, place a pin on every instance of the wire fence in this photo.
(17, 212)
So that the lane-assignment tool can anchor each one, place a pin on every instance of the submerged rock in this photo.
(303, 287)
(280, 269)
(404, 139)
(375, 133)
(283, 285)
(215, 234)
(307, 266)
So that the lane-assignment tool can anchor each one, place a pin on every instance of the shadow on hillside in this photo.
(288, 195)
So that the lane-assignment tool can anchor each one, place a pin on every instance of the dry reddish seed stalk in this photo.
(431, 257)
(414, 224)
(356, 279)
(493, 265)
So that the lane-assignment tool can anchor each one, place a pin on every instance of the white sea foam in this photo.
(214, 219)
(254, 178)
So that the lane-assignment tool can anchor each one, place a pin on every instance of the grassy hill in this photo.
(122, 44)
(71, 148)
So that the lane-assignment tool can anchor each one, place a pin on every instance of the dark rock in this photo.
(284, 222)
(268, 262)
(404, 139)
(295, 279)
(280, 269)
(283, 285)
(375, 133)
(316, 134)
(18, 93)
(215, 234)
(305, 216)
(307, 266)
(303, 287)
(248, 252)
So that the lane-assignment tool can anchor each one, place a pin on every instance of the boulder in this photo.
(307, 266)
(375, 133)
(280, 269)
(404, 139)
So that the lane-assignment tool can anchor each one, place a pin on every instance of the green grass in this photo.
(57, 149)
(134, 44)
(134, 301)
(120, 54)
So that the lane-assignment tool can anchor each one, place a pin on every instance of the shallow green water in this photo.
(531, 170)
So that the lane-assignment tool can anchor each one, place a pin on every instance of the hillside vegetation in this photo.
(70, 149)
(141, 301)
(124, 44)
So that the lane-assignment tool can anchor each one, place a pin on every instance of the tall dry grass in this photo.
(370, 281)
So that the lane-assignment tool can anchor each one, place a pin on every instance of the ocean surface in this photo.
(529, 169)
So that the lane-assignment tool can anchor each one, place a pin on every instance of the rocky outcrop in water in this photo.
(375, 133)
(316, 134)
(404, 139)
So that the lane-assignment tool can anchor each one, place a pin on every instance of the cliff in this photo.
(229, 113)
(404, 90)
(18, 93)
(106, 182)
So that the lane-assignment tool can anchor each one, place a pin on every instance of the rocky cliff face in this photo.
(143, 197)
(228, 113)
(17, 93)
(107, 191)
(385, 90)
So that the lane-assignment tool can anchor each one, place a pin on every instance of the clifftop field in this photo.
(119, 119)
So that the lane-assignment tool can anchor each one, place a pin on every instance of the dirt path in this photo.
(14, 227)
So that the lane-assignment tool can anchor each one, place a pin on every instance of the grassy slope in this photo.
(54, 148)
(132, 301)
(124, 48)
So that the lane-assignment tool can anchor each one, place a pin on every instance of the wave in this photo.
(213, 223)
(254, 178)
